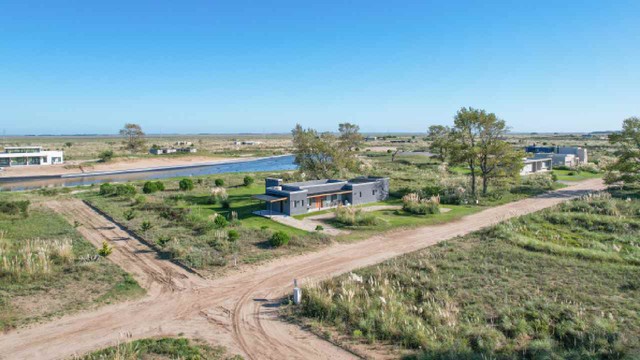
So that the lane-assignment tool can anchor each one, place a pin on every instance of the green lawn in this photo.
(574, 175)
(59, 281)
(563, 283)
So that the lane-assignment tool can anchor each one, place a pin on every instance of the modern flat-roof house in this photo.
(560, 156)
(29, 156)
(534, 165)
(302, 197)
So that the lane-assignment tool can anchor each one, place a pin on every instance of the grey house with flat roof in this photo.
(302, 197)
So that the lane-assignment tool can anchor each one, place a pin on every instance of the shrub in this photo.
(146, 226)
(226, 204)
(352, 216)
(106, 156)
(233, 235)
(105, 250)
(152, 186)
(538, 181)
(248, 180)
(319, 227)
(125, 190)
(140, 199)
(160, 185)
(412, 203)
(186, 184)
(107, 189)
(129, 214)
(15, 207)
(219, 182)
(220, 222)
(279, 238)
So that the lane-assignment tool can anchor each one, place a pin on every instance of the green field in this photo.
(559, 284)
(48, 270)
(575, 175)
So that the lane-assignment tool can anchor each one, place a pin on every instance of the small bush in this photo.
(248, 180)
(150, 187)
(129, 214)
(160, 185)
(279, 238)
(186, 184)
(106, 189)
(233, 235)
(125, 190)
(105, 250)
(352, 216)
(15, 207)
(219, 182)
(226, 204)
(319, 227)
(220, 222)
(146, 226)
(412, 203)
(106, 156)
(140, 199)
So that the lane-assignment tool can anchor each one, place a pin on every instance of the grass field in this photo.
(573, 175)
(160, 349)
(48, 271)
(559, 284)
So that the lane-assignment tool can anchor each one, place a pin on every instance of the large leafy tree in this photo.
(440, 138)
(133, 136)
(322, 155)
(476, 140)
(350, 135)
(626, 168)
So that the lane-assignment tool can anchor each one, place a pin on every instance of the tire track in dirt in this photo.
(154, 274)
(239, 310)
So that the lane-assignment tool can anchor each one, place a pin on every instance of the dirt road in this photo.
(238, 311)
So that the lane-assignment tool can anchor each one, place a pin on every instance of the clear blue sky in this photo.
(238, 66)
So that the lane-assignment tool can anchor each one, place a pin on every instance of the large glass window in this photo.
(5, 161)
(19, 161)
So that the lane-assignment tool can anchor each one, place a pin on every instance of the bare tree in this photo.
(133, 135)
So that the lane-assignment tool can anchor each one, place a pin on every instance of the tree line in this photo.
(476, 141)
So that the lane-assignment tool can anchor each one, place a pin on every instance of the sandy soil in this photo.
(238, 311)
(75, 167)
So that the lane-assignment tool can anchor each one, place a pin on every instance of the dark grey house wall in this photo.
(370, 192)
(270, 182)
(301, 198)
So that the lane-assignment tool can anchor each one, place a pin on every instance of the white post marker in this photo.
(297, 293)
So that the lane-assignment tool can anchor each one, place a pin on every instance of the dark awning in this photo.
(268, 198)
(330, 193)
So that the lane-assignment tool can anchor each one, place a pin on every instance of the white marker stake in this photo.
(297, 293)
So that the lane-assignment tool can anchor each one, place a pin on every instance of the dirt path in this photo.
(155, 275)
(239, 311)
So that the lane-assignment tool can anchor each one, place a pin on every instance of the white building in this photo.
(534, 165)
(29, 156)
(580, 153)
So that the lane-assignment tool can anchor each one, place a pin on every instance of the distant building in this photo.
(29, 156)
(160, 151)
(247, 143)
(371, 138)
(534, 165)
(302, 197)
